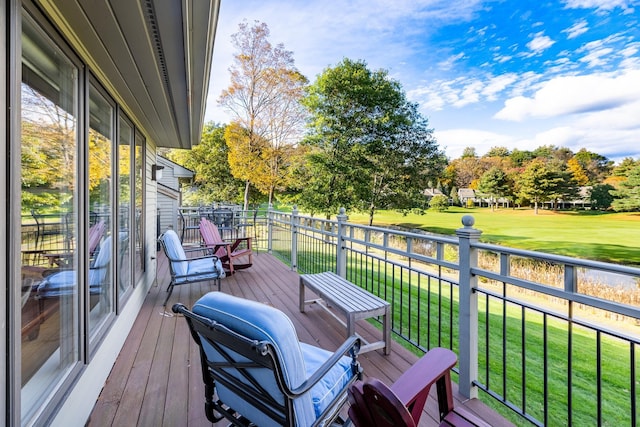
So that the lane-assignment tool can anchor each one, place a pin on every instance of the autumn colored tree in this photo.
(48, 153)
(577, 171)
(264, 99)
(596, 167)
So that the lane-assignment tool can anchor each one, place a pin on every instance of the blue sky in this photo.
(516, 74)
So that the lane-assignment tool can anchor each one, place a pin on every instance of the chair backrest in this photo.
(95, 235)
(256, 322)
(175, 252)
(211, 236)
(223, 217)
(99, 271)
(373, 404)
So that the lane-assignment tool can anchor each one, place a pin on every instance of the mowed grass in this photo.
(601, 236)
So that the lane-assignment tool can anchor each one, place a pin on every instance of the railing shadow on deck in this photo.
(157, 380)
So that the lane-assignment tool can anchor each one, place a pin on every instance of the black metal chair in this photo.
(44, 229)
(191, 222)
(255, 370)
(185, 270)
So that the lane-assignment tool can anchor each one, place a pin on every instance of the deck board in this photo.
(157, 380)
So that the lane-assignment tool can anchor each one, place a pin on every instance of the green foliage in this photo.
(208, 160)
(601, 197)
(439, 203)
(596, 166)
(542, 181)
(370, 147)
(494, 183)
(628, 193)
(453, 195)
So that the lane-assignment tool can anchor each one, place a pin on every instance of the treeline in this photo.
(547, 174)
(352, 139)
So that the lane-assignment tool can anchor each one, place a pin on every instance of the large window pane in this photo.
(100, 241)
(139, 202)
(124, 199)
(49, 283)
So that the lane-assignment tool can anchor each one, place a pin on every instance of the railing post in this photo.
(341, 253)
(295, 221)
(270, 228)
(468, 308)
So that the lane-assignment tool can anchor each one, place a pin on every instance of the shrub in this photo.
(439, 203)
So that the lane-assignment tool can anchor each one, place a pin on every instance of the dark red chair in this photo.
(374, 404)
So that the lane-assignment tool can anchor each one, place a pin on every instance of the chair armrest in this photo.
(213, 257)
(239, 240)
(350, 346)
(215, 246)
(415, 382)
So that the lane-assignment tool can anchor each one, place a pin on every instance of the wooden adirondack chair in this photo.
(374, 404)
(228, 252)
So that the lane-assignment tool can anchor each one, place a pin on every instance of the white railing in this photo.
(526, 325)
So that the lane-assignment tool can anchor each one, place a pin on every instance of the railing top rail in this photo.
(560, 259)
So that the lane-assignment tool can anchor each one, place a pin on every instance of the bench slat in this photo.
(354, 302)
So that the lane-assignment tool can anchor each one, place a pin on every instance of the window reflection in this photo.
(124, 196)
(100, 236)
(139, 167)
(49, 97)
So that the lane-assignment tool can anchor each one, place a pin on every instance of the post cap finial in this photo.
(468, 221)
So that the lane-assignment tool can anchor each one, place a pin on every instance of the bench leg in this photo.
(351, 325)
(386, 331)
(301, 293)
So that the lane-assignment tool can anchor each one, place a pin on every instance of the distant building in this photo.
(430, 192)
(169, 194)
(465, 194)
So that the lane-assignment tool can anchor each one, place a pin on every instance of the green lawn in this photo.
(610, 237)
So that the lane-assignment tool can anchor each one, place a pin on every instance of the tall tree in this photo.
(537, 183)
(601, 197)
(494, 183)
(595, 166)
(264, 99)
(628, 192)
(371, 147)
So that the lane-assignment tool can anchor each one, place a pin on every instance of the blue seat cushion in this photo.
(261, 322)
(330, 386)
(204, 268)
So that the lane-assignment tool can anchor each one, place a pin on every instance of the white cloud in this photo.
(601, 5)
(539, 43)
(576, 29)
(597, 58)
(574, 94)
(496, 85)
(450, 61)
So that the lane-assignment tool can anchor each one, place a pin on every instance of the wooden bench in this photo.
(352, 301)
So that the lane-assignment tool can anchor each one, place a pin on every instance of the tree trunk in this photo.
(246, 196)
(535, 209)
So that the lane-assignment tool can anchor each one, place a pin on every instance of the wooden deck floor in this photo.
(156, 380)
